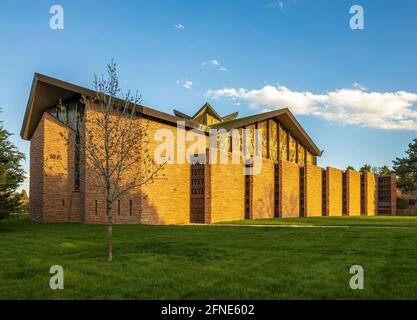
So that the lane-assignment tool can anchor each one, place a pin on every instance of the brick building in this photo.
(290, 184)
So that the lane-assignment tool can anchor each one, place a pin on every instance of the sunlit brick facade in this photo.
(290, 184)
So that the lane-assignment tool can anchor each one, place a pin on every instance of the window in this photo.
(310, 158)
(263, 127)
(273, 139)
(293, 149)
(71, 113)
(251, 143)
(62, 114)
(130, 207)
(301, 154)
(283, 144)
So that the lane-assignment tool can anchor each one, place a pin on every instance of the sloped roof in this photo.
(46, 92)
(207, 108)
(230, 117)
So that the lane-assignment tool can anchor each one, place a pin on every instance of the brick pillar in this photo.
(353, 193)
(289, 189)
(313, 190)
(364, 194)
(334, 192)
(393, 194)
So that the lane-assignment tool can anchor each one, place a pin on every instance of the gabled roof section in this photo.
(179, 114)
(230, 117)
(285, 118)
(46, 92)
(207, 108)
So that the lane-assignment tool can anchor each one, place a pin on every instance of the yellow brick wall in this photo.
(93, 200)
(289, 189)
(334, 195)
(353, 193)
(371, 194)
(312, 191)
(227, 198)
(263, 191)
(165, 201)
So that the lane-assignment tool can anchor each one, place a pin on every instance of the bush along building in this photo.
(289, 184)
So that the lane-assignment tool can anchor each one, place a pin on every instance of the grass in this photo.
(210, 262)
(376, 221)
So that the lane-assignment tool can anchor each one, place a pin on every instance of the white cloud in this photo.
(185, 84)
(359, 86)
(179, 26)
(214, 63)
(353, 106)
(277, 4)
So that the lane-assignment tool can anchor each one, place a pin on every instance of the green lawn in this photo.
(385, 221)
(210, 262)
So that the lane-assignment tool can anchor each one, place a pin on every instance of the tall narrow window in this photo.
(130, 207)
(96, 207)
(118, 207)
(250, 145)
(77, 167)
(77, 117)
(292, 149)
(263, 127)
(301, 154)
(273, 140)
(283, 141)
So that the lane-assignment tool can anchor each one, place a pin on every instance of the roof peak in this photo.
(202, 115)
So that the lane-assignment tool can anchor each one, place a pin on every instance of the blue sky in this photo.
(343, 84)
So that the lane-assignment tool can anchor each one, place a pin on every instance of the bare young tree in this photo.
(113, 144)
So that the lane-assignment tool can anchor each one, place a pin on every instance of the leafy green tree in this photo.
(384, 171)
(406, 168)
(366, 168)
(375, 170)
(350, 168)
(11, 175)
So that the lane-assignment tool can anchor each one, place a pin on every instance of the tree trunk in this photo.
(109, 231)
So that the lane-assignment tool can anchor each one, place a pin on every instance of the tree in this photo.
(350, 168)
(406, 169)
(384, 171)
(24, 201)
(375, 170)
(113, 144)
(366, 168)
(11, 175)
